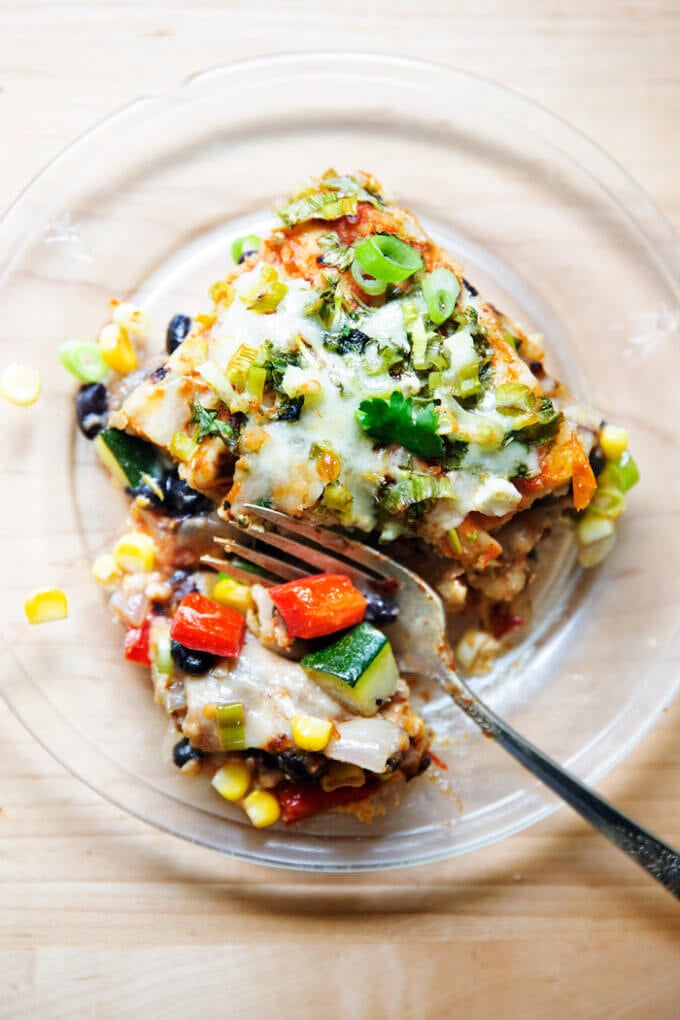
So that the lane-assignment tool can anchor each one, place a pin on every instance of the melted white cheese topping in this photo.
(281, 465)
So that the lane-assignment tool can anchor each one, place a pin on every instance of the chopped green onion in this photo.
(440, 290)
(245, 246)
(83, 359)
(419, 345)
(455, 541)
(511, 339)
(231, 723)
(163, 658)
(593, 528)
(387, 258)
(622, 474)
(257, 376)
(467, 381)
(337, 496)
(416, 488)
(266, 294)
(182, 446)
(593, 553)
(334, 253)
(515, 398)
(239, 365)
(319, 205)
(608, 502)
(367, 283)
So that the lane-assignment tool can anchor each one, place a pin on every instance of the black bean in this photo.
(177, 331)
(92, 402)
(183, 752)
(191, 661)
(244, 255)
(295, 766)
(183, 501)
(381, 609)
(597, 460)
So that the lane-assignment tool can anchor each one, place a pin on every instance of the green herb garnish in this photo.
(397, 421)
(210, 425)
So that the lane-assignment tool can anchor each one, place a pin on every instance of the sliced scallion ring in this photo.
(367, 283)
(608, 501)
(387, 258)
(440, 290)
(83, 359)
(245, 246)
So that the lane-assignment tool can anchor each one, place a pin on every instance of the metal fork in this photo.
(418, 639)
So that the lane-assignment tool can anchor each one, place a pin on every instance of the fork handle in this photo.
(660, 859)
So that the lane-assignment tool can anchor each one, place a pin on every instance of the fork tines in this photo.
(306, 549)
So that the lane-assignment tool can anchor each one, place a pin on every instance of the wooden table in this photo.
(101, 916)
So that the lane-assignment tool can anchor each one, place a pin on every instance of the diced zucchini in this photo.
(127, 457)
(358, 670)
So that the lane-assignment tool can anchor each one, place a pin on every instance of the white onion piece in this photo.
(367, 743)
(175, 698)
(132, 608)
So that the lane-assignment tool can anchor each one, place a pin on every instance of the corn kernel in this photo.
(132, 319)
(262, 808)
(614, 441)
(232, 780)
(135, 553)
(229, 592)
(46, 605)
(328, 465)
(117, 350)
(20, 384)
(311, 733)
(105, 571)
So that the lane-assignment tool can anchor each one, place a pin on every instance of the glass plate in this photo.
(547, 226)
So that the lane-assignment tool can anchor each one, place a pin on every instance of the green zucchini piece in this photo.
(127, 457)
(359, 670)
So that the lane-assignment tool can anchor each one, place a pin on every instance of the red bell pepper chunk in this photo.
(299, 801)
(137, 643)
(206, 626)
(318, 605)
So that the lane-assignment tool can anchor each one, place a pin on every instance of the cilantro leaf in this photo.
(396, 421)
(210, 425)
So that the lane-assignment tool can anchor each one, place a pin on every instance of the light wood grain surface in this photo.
(101, 916)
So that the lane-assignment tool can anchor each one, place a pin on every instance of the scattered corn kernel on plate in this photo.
(460, 342)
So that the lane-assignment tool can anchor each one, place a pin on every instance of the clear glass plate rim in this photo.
(653, 226)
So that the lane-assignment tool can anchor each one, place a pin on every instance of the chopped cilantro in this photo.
(397, 421)
(210, 425)
(347, 341)
(289, 409)
(276, 362)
